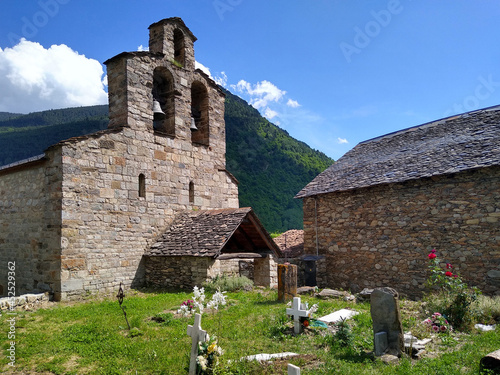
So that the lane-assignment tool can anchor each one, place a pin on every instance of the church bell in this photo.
(158, 114)
(193, 125)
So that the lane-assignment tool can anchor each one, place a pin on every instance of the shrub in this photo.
(456, 297)
(227, 283)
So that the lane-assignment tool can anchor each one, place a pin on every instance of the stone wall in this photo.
(266, 271)
(107, 226)
(380, 236)
(30, 223)
(177, 272)
(187, 272)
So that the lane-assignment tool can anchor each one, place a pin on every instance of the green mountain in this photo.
(271, 166)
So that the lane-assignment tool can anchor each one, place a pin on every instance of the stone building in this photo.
(80, 217)
(380, 209)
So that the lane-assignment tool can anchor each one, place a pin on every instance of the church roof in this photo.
(212, 233)
(450, 145)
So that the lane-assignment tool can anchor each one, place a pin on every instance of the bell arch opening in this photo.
(163, 102)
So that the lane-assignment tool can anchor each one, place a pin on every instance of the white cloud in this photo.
(341, 141)
(269, 113)
(142, 48)
(292, 103)
(220, 80)
(261, 93)
(33, 78)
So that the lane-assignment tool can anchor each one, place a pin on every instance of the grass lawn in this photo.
(91, 337)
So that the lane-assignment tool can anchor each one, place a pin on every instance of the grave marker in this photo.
(197, 335)
(298, 311)
(287, 282)
(293, 370)
(386, 318)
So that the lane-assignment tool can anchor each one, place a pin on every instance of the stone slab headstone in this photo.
(306, 290)
(197, 335)
(339, 315)
(386, 318)
(297, 311)
(267, 357)
(331, 293)
(293, 370)
(287, 282)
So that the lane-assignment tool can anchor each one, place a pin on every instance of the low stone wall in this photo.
(381, 236)
(177, 272)
(187, 272)
(25, 301)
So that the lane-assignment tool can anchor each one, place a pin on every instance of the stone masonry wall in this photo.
(380, 236)
(30, 226)
(107, 226)
(177, 272)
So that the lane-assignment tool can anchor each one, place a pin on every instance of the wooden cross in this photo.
(297, 311)
(197, 335)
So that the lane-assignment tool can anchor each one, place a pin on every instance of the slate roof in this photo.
(450, 145)
(207, 233)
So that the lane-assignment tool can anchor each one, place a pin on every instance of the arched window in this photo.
(179, 47)
(163, 95)
(199, 114)
(142, 186)
(191, 192)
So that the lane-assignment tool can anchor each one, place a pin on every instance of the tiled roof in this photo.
(291, 243)
(206, 233)
(450, 145)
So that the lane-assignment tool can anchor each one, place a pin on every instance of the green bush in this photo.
(228, 283)
(454, 299)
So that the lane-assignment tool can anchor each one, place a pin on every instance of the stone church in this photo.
(147, 201)
(375, 214)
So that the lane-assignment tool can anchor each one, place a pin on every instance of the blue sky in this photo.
(332, 73)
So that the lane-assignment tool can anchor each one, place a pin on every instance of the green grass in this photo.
(92, 338)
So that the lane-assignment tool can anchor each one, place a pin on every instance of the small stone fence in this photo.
(25, 301)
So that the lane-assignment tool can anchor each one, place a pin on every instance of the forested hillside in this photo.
(270, 166)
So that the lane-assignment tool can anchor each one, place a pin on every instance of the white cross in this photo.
(197, 335)
(293, 370)
(297, 311)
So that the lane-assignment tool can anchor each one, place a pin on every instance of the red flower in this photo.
(432, 256)
(449, 266)
(433, 251)
(448, 273)
(305, 323)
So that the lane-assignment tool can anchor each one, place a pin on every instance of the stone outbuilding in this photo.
(80, 218)
(199, 245)
(380, 209)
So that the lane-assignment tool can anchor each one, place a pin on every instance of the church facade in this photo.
(80, 217)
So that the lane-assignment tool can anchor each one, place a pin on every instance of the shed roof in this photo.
(210, 233)
(450, 145)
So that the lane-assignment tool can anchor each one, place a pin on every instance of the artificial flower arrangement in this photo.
(198, 302)
(438, 323)
(208, 355)
(307, 320)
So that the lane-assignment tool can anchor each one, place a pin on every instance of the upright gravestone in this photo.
(287, 282)
(297, 311)
(293, 370)
(197, 335)
(387, 328)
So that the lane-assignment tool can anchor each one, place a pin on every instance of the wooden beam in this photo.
(240, 256)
